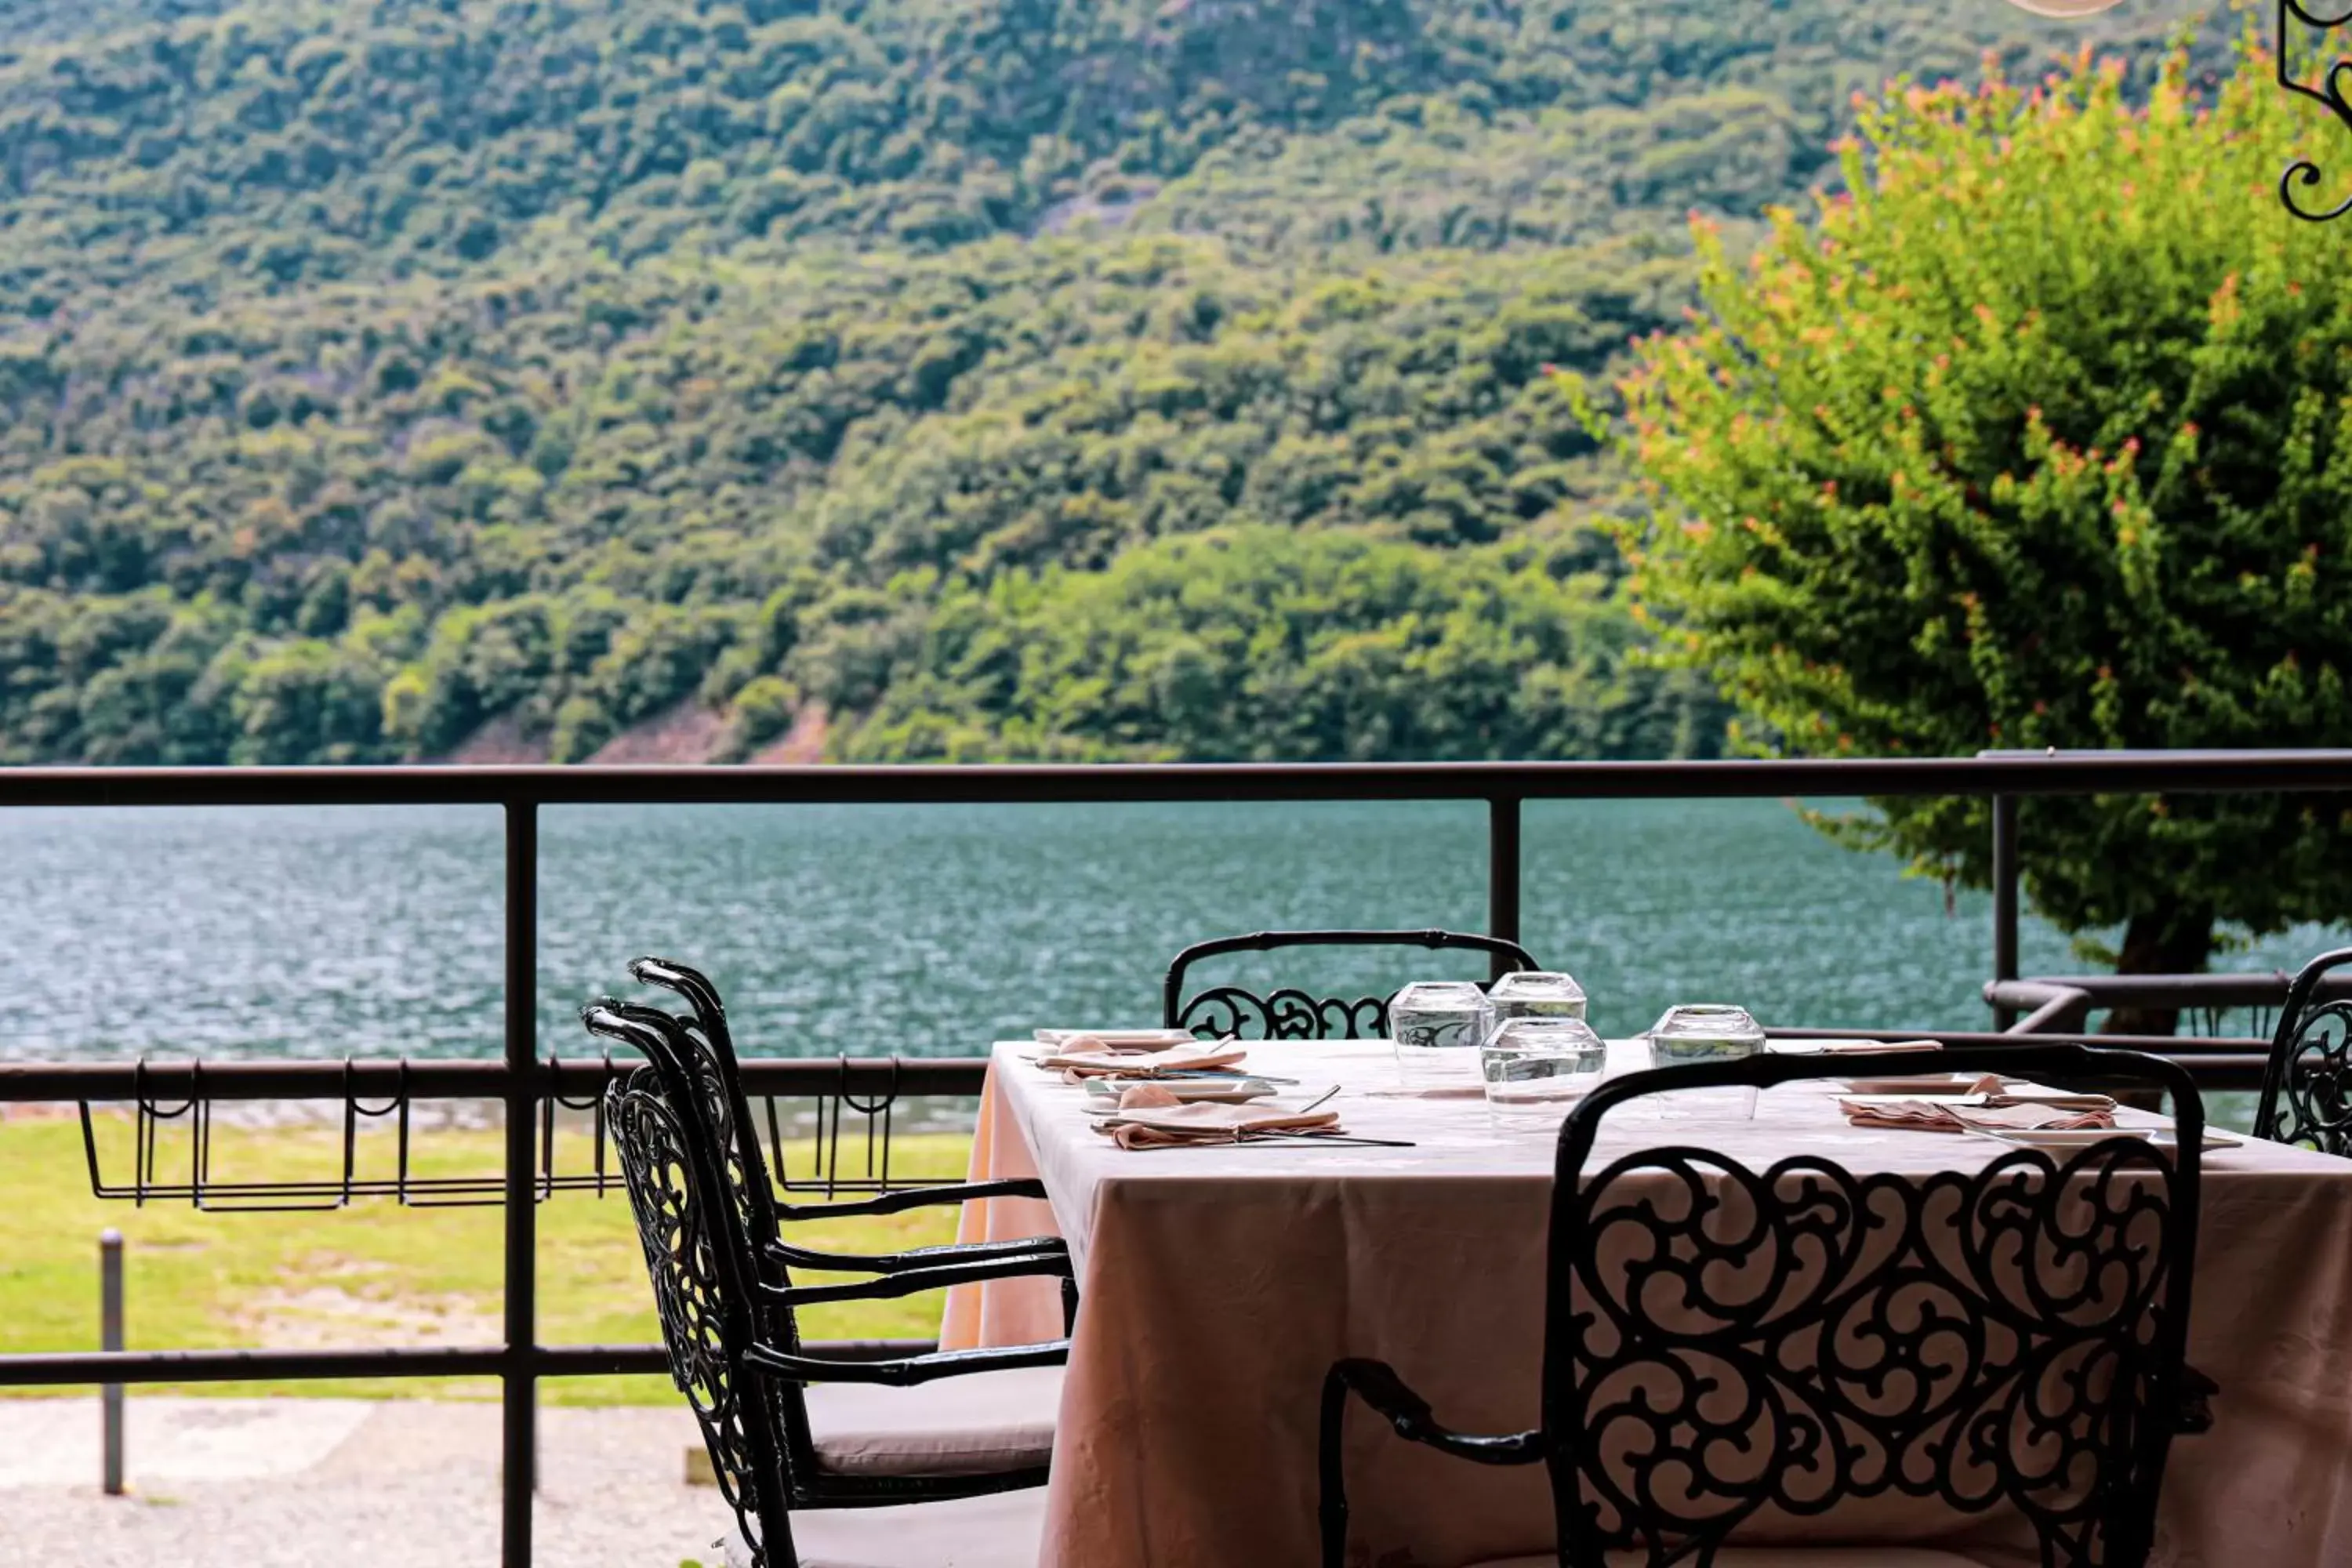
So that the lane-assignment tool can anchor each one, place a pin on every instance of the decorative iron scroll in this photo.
(2315, 1083)
(1804, 1336)
(753, 1205)
(1291, 1013)
(1229, 1012)
(2330, 90)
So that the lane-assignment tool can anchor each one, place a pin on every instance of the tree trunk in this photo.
(2179, 942)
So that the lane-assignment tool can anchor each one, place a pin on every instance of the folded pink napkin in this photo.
(1150, 1126)
(1077, 1066)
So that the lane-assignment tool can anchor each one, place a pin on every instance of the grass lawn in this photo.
(375, 1273)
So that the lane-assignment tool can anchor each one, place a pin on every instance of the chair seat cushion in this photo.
(1787, 1557)
(1005, 1530)
(977, 1424)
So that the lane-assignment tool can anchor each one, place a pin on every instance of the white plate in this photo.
(1106, 1113)
(1119, 1039)
(2084, 1137)
(1102, 1093)
(1957, 1091)
(1936, 1085)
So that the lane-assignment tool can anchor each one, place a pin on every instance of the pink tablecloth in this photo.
(1219, 1285)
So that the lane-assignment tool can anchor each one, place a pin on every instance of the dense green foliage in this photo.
(371, 373)
(309, 138)
(2042, 437)
(1275, 644)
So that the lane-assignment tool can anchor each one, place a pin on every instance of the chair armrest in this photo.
(913, 1197)
(915, 1281)
(1410, 1415)
(1377, 1385)
(914, 1257)
(906, 1370)
(2197, 1392)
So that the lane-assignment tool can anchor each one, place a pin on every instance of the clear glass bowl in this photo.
(1706, 1032)
(1437, 1025)
(1536, 994)
(1535, 1069)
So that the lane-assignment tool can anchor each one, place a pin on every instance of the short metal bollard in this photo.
(109, 1338)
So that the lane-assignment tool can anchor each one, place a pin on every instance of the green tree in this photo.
(2041, 436)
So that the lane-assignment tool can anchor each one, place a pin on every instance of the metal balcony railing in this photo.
(531, 1086)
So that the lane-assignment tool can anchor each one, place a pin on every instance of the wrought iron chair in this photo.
(1289, 1013)
(1720, 1340)
(709, 1040)
(768, 1408)
(2308, 1082)
(744, 1172)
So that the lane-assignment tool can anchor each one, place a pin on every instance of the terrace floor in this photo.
(338, 1483)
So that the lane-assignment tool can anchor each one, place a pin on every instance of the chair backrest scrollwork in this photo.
(1290, 1013)
(2307, 1081)
(1722, 1340)
(696, 1257)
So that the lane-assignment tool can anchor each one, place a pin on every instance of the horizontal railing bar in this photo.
(2063, 772)
(2223, 1062)
(259, 1367)
(2229, 1073)
(2224, 989)
(958, 1077)
(73, 1368)
(947, 1076)
(2156, 1045)
(378, 1078)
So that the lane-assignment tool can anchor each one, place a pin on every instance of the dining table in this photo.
(1219, 1283)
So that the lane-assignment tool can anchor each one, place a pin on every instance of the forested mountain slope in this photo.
(1008, 378)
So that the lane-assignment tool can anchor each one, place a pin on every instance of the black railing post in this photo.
(520, 1475)
(2004, 899)
(1503, 873)
(109, 1338)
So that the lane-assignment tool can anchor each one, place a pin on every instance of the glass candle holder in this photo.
(1437, 1025)
(1706, 1032)
(1535, 994)
(1535, 1069)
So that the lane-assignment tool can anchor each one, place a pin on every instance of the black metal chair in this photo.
(731, 1327)
(1719, 1341)
(711, 1071)
(2308, 1082)
(1289, 1013)
(712, 1046)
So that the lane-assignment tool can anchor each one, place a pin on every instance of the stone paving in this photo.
(339, 1483)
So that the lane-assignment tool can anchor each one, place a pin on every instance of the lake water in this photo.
(924, 930)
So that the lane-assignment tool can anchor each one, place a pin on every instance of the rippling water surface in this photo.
(921, 929)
